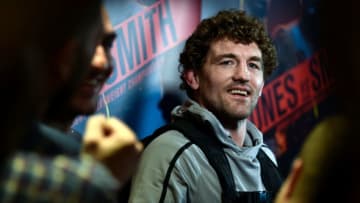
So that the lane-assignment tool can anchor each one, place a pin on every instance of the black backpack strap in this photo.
(169, 171)
(124, 194)
(272, 179)
(147, 140)
(202, 135)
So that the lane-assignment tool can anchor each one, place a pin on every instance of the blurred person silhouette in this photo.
(85, 98)
(321, 165)
(48, 46)
(327, 169)
(211, 152)
(84, 102)
(28, 90)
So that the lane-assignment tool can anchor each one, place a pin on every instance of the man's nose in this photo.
(102, 61)
(241, 72)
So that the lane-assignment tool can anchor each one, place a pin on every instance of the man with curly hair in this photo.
(223, 68)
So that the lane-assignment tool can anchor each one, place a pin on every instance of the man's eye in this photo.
(108, 41)
(254, 66)
(226, 62)
(107, 44)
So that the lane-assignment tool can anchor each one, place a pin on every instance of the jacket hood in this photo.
(253, 136)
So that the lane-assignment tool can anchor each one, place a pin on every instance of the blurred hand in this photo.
(114, 144)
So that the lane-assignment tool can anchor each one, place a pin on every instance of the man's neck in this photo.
(238, 132)
(61, 122)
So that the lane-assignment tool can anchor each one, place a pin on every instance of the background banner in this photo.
(144, 86)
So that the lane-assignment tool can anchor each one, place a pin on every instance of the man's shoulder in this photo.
(169, 153)
(65, 143)
(50, 141)
(52, 177)
(172, 145)
(165, 143)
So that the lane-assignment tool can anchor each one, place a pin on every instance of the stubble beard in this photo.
(232, 114)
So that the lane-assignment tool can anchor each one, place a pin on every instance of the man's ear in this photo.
(294, 176)
(286, 193)
(261, 89)
(191, 78)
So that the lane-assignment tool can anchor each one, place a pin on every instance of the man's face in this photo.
(230, 81)
(85, 99)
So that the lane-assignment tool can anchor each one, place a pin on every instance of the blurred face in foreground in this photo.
(84, 101)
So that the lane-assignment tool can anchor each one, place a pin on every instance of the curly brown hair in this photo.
(234, 25)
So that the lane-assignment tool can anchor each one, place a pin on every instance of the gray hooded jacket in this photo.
(192, 178)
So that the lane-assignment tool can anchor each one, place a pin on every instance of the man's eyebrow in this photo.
(230, 55)
(218, 57)
(256, 58)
